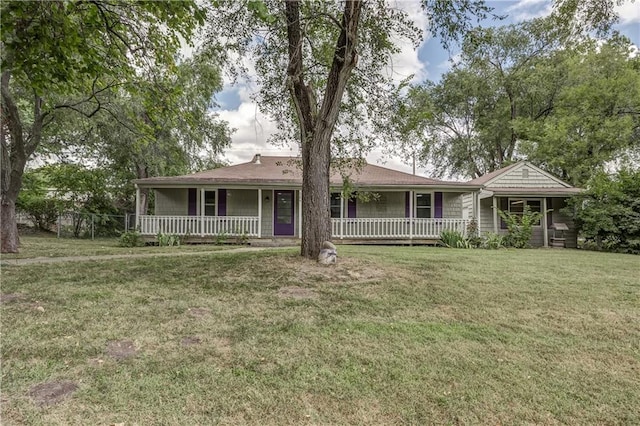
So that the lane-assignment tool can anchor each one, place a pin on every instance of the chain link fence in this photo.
(82, 224)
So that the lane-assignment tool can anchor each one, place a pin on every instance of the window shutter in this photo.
(407, 203)
(550, 213)
(438, 205)
(222, 202)
(351, 208)
(504, 206)
(193, 202)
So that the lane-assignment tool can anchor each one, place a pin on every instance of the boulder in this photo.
(328, 254)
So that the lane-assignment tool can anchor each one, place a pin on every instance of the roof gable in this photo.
(520, 175)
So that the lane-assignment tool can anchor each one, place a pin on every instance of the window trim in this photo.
(215, 203)
(431, 205)
(338, 205)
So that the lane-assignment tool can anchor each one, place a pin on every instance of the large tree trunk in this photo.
(14, 159)
(316, 127)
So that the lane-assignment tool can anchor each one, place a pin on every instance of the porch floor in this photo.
(295, 241)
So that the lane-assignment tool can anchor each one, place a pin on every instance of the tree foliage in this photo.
(68, 55)
(608, 211)
(531, 90)
(323, 71)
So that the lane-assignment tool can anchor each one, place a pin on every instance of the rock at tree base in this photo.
(328, 254)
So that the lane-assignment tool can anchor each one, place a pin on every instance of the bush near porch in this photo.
(390, 335)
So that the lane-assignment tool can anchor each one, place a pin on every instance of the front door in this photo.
(284, 213)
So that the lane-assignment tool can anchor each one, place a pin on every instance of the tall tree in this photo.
(532, 90)
(321, 69)
(594, 117)
(67, 55)
(470, 128)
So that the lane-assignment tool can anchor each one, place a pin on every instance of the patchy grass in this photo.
(50, 246)
(389, 335)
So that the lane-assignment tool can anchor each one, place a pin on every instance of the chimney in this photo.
(256, 159)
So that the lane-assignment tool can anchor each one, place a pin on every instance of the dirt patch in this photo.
(347, 270)
(11, 297)
(222, 345)
(51, 393)
(190, 341)
(199, 312)
(121, 349)
(294, 292)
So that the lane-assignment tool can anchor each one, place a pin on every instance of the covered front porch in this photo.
(346, 228)
(208, 214)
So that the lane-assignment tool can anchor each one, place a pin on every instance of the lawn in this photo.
(390, 335)
(50, 246)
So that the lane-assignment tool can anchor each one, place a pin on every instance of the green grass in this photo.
(393, 335)
(50, 246)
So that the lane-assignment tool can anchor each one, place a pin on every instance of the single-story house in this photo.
(523, 184)
(262, 199)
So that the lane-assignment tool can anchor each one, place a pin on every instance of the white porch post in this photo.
(137, 208)
(202, 212)
(545, 225)
(411, 195)
(479, 215)
(299, 213)
(259, 213)
(341, 216)
(495, 215)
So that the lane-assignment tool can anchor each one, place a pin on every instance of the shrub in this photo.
(131, 239)
(168, 240)
(608, 212)
(520, 227)
(493, 241)
(454, 239)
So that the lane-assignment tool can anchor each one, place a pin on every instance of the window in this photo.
(209, 203)
(336, 200)
(516, 206)
(423, 205)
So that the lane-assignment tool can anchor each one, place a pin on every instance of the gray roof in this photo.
(281, 171)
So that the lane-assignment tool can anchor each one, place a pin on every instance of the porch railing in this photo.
(395, 227)
(200, 225)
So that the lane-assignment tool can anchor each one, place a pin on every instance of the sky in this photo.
(428, 61)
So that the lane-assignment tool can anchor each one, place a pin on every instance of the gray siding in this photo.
(486, 216)
(243, 202)
(451, 205)
(172, 202)
(467, 205)
(524, 176)
(267, 213)
(390, 204)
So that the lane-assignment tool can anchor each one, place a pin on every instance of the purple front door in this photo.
(284, 213)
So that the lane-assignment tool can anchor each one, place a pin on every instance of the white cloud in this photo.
(629, 13)
(252, 131)
(524, 10)
(406, 62)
